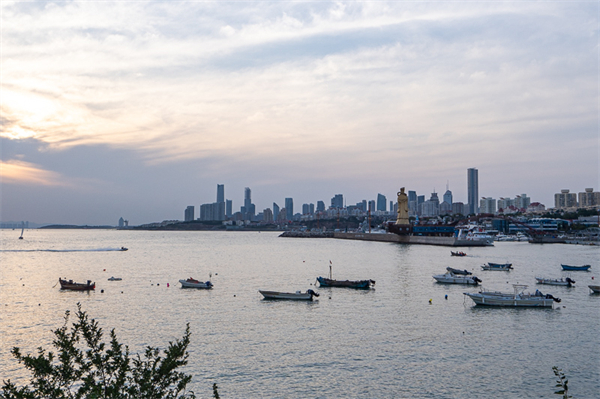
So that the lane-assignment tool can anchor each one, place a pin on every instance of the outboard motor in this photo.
(477, 280)
(312, 293)
(571, 282)
(548, 296)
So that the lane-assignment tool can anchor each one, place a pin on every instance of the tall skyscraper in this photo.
(337, 201)
(289, 208)
(228, 208)
(320, 206)
(473, 190)
(248, 210)
(220, 193)
(189, 214)
(381, 202)
(448, 196)
(275, 211)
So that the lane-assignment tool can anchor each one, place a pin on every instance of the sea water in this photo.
(408, 337)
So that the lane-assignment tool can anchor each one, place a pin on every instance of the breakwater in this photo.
(389, 237)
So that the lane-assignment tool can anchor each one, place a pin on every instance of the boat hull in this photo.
(196, 284)
(358, 284)
(450, 278)
(293, 296)
(584, 268)
(508, 300)
(72, 286)
(547, 281)
(595, 288)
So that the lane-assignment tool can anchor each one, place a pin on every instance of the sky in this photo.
(138, 109)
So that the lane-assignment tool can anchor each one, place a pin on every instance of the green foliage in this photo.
(562, 383)
(86, 367)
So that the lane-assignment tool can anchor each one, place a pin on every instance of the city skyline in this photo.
(139, 109)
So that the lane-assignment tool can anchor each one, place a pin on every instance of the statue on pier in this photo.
(402, 208)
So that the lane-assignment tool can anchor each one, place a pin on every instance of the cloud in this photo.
(25, 173)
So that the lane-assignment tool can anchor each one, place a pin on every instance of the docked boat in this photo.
(595, 288)
(298, 296)
(584, 268)
(567, 282)
(497, 266)
(113, 278)
(458, 271)
(516, 299)
(451, 278)
(359, 284)
(457, 253)
(73, 286)
(193, 283)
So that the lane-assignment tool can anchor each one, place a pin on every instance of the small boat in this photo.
(22, 230)
(555, 281)
(298, 296)
(584, 268)
(123, 249)
(451, 278)
(516, 299)
(595, 289)
(458, 253)
(497, 266)
(71, 285)
(193, 283)
(458, 271)
(360, 284)
(112, 278)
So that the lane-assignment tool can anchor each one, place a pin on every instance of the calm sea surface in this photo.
(389, 342)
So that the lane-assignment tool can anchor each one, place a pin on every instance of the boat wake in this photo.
(66, 250)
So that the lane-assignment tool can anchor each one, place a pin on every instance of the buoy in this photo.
(446, 296)
(167, 285)
(157, 284)
(102, 291)
(121, 292)
(39, 304)
(234, 295)
(103, 270)
(430, 300)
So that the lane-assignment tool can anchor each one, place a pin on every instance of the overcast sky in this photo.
(137, 109)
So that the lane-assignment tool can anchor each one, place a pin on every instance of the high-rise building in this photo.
(289, 208)
(311, 208)
(275, 211)
(487, 205)
(522, 201)
(267, 215)
(188, 215)
(220, 193)
(337, 201)
(320, 206)
(448, 197)
(412, 203)
(473, 190)
(305, 209)
(372, 205)
(381, 202)
(589, 198)
(249, 209)
(228, 208)
(565, 199)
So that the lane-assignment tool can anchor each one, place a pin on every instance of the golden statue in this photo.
(402, 207)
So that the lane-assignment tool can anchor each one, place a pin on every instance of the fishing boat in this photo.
(458, 271)
(112, 278)
(451, 278)
(193, 283)
(584, 268)
(297, 296)
(567, 282)
(516, 299)
(497, 266)
(22, 230)
(595, 289)
(458, 253)
(359, 284)
(73, 286)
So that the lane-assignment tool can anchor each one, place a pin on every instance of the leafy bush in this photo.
(85, 367)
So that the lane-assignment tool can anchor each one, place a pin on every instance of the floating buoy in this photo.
(234, 295)
(157, 284)
(446, 297)
(121, 292)
(167, 285)
(102, 291)
(39, 304)
(430, 300)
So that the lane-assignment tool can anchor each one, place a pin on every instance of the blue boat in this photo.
(584, 268)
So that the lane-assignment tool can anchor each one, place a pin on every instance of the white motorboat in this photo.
(568, 282)
(193, 283)
(595, 288)
(451, 278)
(298, 296)
(516, 299)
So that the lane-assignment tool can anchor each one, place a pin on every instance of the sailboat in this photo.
(22, 230)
